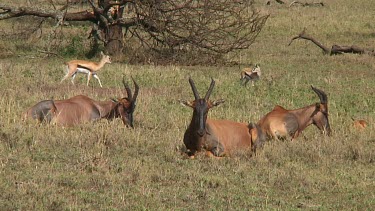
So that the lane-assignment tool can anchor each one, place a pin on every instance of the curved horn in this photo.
(136, 87)
(322, 96)
(210, 89)
(195, 92)
(127, 88)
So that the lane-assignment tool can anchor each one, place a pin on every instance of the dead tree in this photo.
(335, 49)
(215, 26)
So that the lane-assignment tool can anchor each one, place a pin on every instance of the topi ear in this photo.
(254, 134)
(253, 130)
(101, 53)
(114, 100)
(217, 102)
(186, 103)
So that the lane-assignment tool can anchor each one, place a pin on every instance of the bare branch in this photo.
(12, 12)
(217, 26)
(168, 27)
(335, 49)
(303, 35)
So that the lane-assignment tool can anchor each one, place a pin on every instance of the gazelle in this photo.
(87, 67)
(80, 109)
(250, 74)
(280, 122)
(216, 137)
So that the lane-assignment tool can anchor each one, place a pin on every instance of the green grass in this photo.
(105, 166)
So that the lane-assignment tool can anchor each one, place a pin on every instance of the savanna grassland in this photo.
(105, 166)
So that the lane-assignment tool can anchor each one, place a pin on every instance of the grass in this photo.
(105, 166)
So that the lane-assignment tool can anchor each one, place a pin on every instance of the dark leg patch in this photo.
(215, 147)
(291, 124)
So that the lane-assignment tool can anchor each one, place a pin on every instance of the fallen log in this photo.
(335, 49)
(278, 1)
(306, 4)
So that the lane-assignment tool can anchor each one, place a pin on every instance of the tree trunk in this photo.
(114, 44)
(112, 32)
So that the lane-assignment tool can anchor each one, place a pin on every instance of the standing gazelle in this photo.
(87, 67)
(80, 109)
(250, 74)
(280, 122)
(217, 137)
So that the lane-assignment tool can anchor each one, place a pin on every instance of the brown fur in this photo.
(78, 109)
(279, 123)
(222, 138)
(282, 123)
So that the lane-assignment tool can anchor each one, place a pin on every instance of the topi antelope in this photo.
(80, 109)
(250, 74)
(216, 137)
(86, 67)
(280, 123)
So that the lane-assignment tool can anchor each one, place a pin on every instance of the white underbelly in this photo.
(83, 70)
